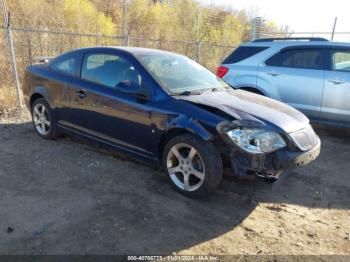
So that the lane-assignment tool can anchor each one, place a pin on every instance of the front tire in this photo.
(43, 119)
(193, 166)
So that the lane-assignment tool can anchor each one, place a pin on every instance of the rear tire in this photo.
(43, 120)
(193, 166)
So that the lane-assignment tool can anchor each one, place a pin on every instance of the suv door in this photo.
(336, 95)
(295, 76)
(102, 111)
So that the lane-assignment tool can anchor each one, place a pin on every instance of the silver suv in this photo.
(310, 74)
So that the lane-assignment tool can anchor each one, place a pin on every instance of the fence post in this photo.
(125, 24)
(198, 43)
(334, 25)
(12, 52)
(198, 51)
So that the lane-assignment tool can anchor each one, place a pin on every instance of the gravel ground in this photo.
(69, 197)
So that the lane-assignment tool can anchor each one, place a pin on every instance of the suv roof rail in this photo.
(289, 38)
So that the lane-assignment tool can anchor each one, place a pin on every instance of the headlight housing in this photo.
(256, 140)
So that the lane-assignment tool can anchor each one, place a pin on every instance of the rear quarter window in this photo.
(243, 52)
(341, 60)
(66, 64)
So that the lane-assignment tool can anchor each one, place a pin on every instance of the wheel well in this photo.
(173, 133)
(253, 90)
(34, 97)
(169, 135)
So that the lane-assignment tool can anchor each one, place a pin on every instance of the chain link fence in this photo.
(30, 43)
(8, 96)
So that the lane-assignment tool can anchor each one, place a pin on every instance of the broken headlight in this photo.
(255, 140)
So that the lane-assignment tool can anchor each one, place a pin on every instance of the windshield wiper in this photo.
(188, 93)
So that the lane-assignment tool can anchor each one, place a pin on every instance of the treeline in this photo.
(176, 25)
(206, 33)
(163, 20)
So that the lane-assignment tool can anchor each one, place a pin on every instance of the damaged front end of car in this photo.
(253, 147)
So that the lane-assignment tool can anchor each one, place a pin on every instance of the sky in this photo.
(299, 15)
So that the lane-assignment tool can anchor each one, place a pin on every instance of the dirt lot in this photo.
(67, 197)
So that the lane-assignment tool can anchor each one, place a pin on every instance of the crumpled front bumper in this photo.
(273, 164)
(303, 146)
(285, 159)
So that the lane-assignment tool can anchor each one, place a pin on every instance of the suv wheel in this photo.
(194, 166)
(43, 120)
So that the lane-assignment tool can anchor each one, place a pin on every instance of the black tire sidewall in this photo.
(53, 129)
(212, 163)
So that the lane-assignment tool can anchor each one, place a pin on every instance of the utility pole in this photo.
(253, 30)
(125, 23)
(334, 25)
(12, 52)
(258, 28)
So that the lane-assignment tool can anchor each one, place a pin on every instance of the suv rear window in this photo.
(298, 58)
(243, 52)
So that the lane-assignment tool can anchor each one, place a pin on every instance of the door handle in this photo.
(335, 81)
(273, 73)
(81, 94)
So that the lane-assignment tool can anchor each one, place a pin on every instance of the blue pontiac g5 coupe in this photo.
(166, 109)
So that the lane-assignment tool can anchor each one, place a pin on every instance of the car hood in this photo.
(243, 105)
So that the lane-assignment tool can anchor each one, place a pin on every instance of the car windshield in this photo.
(179, 74)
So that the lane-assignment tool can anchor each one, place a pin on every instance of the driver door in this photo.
(104, 112)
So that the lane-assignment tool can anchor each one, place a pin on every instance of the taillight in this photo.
(222, 71)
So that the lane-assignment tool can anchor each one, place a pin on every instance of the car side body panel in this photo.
(335, 108)
(336, 97)
(116, 119)
(308, 90)
(245, 76)
(288, 85)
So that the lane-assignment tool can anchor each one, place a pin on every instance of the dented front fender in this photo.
(190, 125)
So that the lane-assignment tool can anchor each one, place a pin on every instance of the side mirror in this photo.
(132, 87)
(128, 87)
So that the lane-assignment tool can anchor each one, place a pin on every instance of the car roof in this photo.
(286, 43)
(130, 50)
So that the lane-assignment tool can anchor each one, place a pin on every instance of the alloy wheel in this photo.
(41, 119)
(185, 167)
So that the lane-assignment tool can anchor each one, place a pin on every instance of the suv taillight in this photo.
(222, 71)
